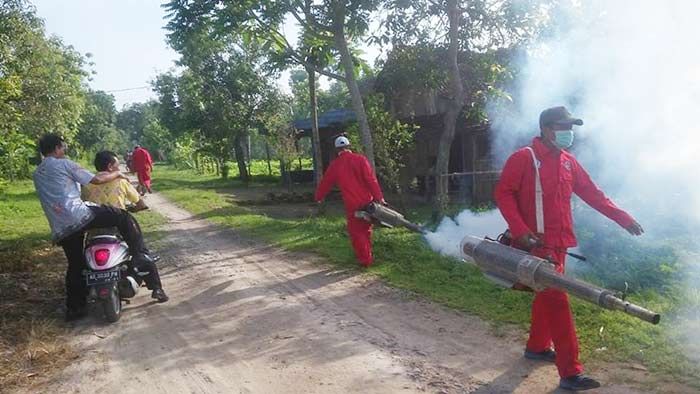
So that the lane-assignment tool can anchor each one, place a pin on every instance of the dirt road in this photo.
(247, 318)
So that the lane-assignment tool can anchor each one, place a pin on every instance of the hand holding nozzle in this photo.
(530, 241)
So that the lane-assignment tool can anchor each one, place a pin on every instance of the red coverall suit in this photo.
(142, 164)
(358, 186)
(561, 175)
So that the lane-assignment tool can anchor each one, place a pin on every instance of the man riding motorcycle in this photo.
(57, 182)
(116, 194)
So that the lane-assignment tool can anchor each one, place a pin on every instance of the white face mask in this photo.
(563, 138)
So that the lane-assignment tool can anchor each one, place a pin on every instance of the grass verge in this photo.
(32, 333)
(404, 260)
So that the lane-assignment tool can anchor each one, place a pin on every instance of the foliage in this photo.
(335, 97)
(281, 138)
(98, 130)
(326, 26)
(184, 151)
(41, 85)
(423, 68)
(483, 25)
(221, 96)
(393, 141)
(614, 259)
(467, 30)
(16, 151)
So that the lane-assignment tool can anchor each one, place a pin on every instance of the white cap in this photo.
(342, 142)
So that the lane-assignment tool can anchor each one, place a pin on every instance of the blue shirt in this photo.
(57, 182)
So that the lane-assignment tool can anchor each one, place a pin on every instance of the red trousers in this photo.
(553, 323)
(360, 232)
(144, 176)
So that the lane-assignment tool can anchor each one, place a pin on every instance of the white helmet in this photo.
(342, 142)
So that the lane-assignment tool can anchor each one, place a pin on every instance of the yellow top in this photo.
(114, 193)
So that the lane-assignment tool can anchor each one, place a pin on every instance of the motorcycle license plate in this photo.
(97, 278)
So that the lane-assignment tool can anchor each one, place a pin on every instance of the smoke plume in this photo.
(447, 236)
(631, 71)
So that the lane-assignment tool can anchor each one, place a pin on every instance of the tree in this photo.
(134, 118)
(276, 124)
(327, 28)
(394, 140)
(221, 95)
(299, 85)
(41, 86)
(471, 28)
(97, 130)
(336, 97)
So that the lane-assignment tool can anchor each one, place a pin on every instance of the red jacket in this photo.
(355, 178)
(561, 176)
(141, 160)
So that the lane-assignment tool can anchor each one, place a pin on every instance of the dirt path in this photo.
(247, 318)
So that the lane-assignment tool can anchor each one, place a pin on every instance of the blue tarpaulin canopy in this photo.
(332, 118)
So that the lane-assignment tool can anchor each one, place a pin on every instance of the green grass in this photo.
(404, 260)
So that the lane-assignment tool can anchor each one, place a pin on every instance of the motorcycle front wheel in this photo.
(112, 305)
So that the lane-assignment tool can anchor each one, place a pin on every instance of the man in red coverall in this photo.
(358, 187)
(143, 165)
(560, 175)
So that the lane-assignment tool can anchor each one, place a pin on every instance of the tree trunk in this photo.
(286, 176)
(315, 136)
(267, 155)
(450, 117)
(351, 81)
(249, 154)
(240, 159)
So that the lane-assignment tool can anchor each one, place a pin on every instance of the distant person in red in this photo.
(534, 196)
(358, 187)
(142, 163)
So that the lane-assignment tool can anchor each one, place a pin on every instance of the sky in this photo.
(125, 37)
(127, 41)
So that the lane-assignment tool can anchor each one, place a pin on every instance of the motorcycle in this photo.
(110, 275)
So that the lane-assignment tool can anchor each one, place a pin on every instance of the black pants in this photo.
(76, 288)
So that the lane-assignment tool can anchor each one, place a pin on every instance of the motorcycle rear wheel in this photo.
(112, 305)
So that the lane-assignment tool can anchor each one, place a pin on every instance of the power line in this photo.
(127, 89)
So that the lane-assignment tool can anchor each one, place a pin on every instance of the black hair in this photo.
(103, 159)
(49, 142)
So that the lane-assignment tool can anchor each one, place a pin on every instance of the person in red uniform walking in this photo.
(545, 228)
(358, 187)
(143, 165)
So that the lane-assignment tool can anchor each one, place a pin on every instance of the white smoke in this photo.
(631, 71)
(448, 235)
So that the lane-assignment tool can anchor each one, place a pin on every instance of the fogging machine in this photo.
(384, 216)
(508, 266)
